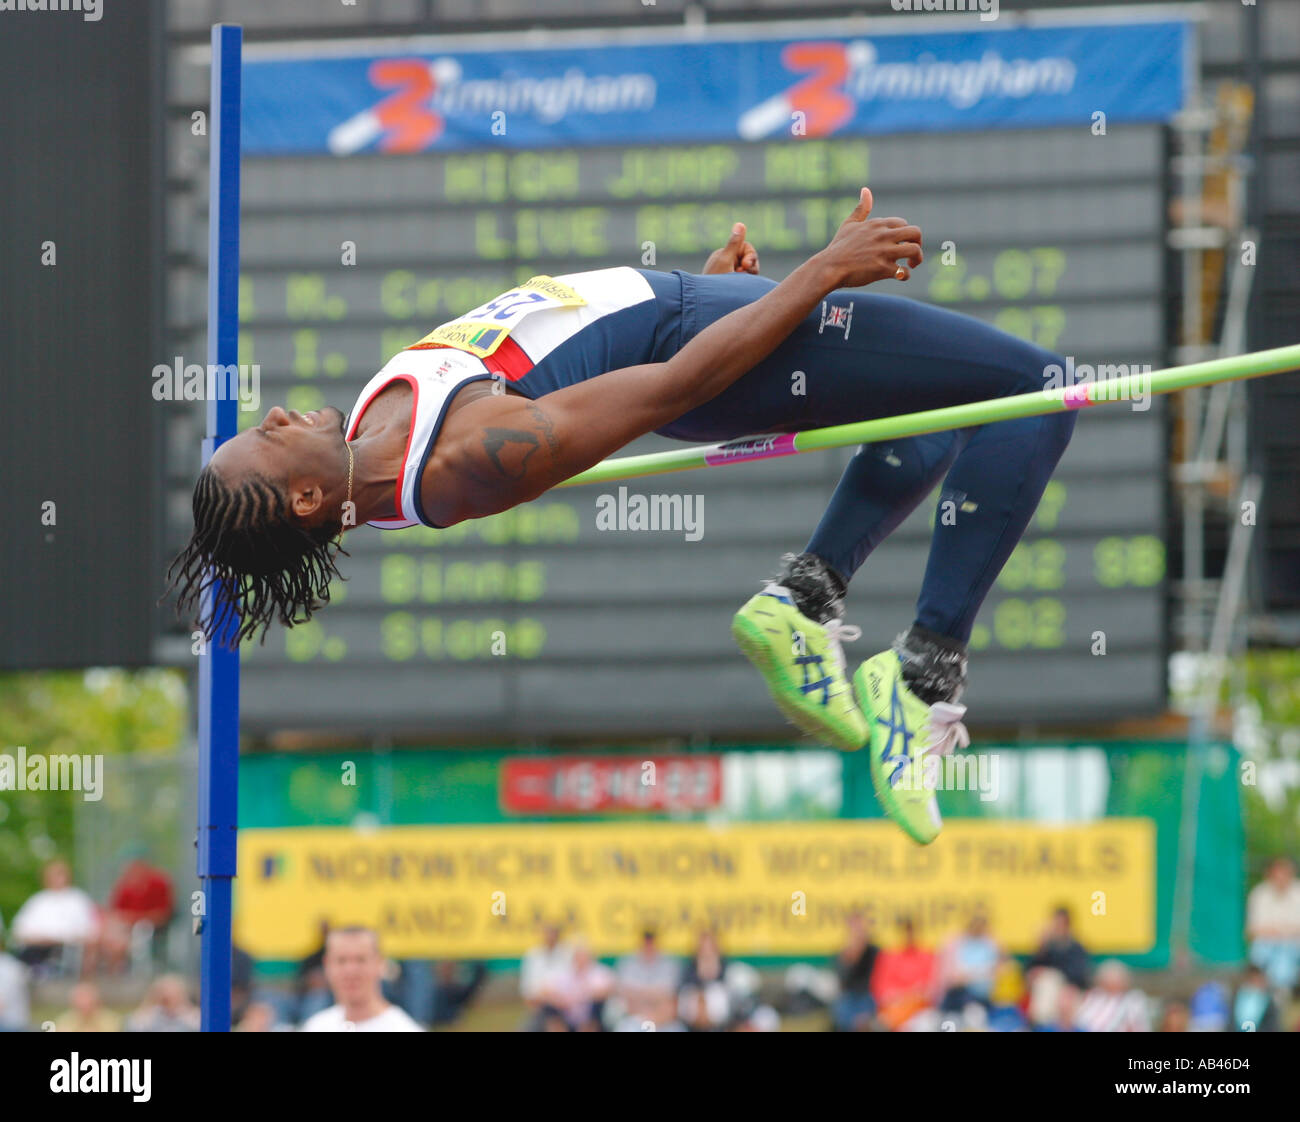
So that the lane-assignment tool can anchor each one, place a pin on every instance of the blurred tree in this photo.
(1267, 729)
(108, 711)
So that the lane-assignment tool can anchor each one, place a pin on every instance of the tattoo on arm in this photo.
(547, 428)
(509, 450)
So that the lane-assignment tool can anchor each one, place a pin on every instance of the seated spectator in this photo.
(703, 1001)
(1253, 1007)
(967, 967)
(1007, 996)
(454, 989)
(757, 1018)
(1113, 1004)
(903, 981)
(1175, 1017)
(142, 895)
(166, 1008)
(579, 990)
(261, 1016)
(855, 1009)
(647, 988)
(1060, 964)
(241, 981)
(1273, 924)
(354, 969)
(15, 994)
(311, 991)
(537, 969)
(59, 915)
(87, 1014)
(1210, 1008)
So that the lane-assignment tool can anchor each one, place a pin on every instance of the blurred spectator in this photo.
(647, 988)
(967, 967)
(166, 1008)
(1253, 1007)
(58, 916)
(761, 1018)
(1175, 1017)
(453, 990)
(241, 982)
(550, 1019)
(1060, 950)
(1273, 924)
(261, 1016)
(411, 987)
(808, 987)
(15, 999)
(141, 896)
(579, 990)
(1114, 1004)
(87, 1014)
(904, 979)
(1059, 966)
(537, 969)
(354, 969)
(1209, 1008)
(1006, 997)
(1052, 1002)
(855, 1009)
(311, 991)
(703, 1002)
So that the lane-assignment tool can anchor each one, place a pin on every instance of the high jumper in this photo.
(538, 385)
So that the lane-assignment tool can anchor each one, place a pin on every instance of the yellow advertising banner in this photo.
(778, 888)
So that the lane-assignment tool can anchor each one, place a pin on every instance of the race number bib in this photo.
(483, 330)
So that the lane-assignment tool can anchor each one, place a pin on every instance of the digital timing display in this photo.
(539, 622)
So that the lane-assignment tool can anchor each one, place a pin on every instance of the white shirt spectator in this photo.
(1105, 1011)
(56, 915)
(15, 1005)
(1274, 912)
(577, 993)
(333, 1019)
(539, 969)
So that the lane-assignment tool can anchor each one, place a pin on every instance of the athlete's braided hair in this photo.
(245, 537)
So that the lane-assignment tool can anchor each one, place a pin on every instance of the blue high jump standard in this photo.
(218, 775)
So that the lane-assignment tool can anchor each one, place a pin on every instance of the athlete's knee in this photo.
(1057, 430)
(1037, 368)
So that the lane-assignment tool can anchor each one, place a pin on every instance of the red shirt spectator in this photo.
(142, 893)
(903, 981)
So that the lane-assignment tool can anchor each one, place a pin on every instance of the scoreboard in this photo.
(538, 624)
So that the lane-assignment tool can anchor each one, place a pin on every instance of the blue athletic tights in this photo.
(860, 356)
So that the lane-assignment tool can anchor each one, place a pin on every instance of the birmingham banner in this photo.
(484, 95)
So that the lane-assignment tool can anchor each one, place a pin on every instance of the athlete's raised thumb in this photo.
(737, 234)
(863, 208)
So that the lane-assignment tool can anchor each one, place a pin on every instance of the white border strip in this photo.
(886, 23)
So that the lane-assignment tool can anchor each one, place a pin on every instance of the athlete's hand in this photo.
(737, 256)
(866, 249)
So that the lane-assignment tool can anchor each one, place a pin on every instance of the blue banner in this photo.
(714, 90)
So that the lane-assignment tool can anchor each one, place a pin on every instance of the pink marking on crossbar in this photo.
(1076, 397)
(752, 448)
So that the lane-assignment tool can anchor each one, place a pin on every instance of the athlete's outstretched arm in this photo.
(503, 450)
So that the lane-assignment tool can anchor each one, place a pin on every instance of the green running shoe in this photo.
(908, 738)
(803, 665)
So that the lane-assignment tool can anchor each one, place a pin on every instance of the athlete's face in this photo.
(302, 452)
